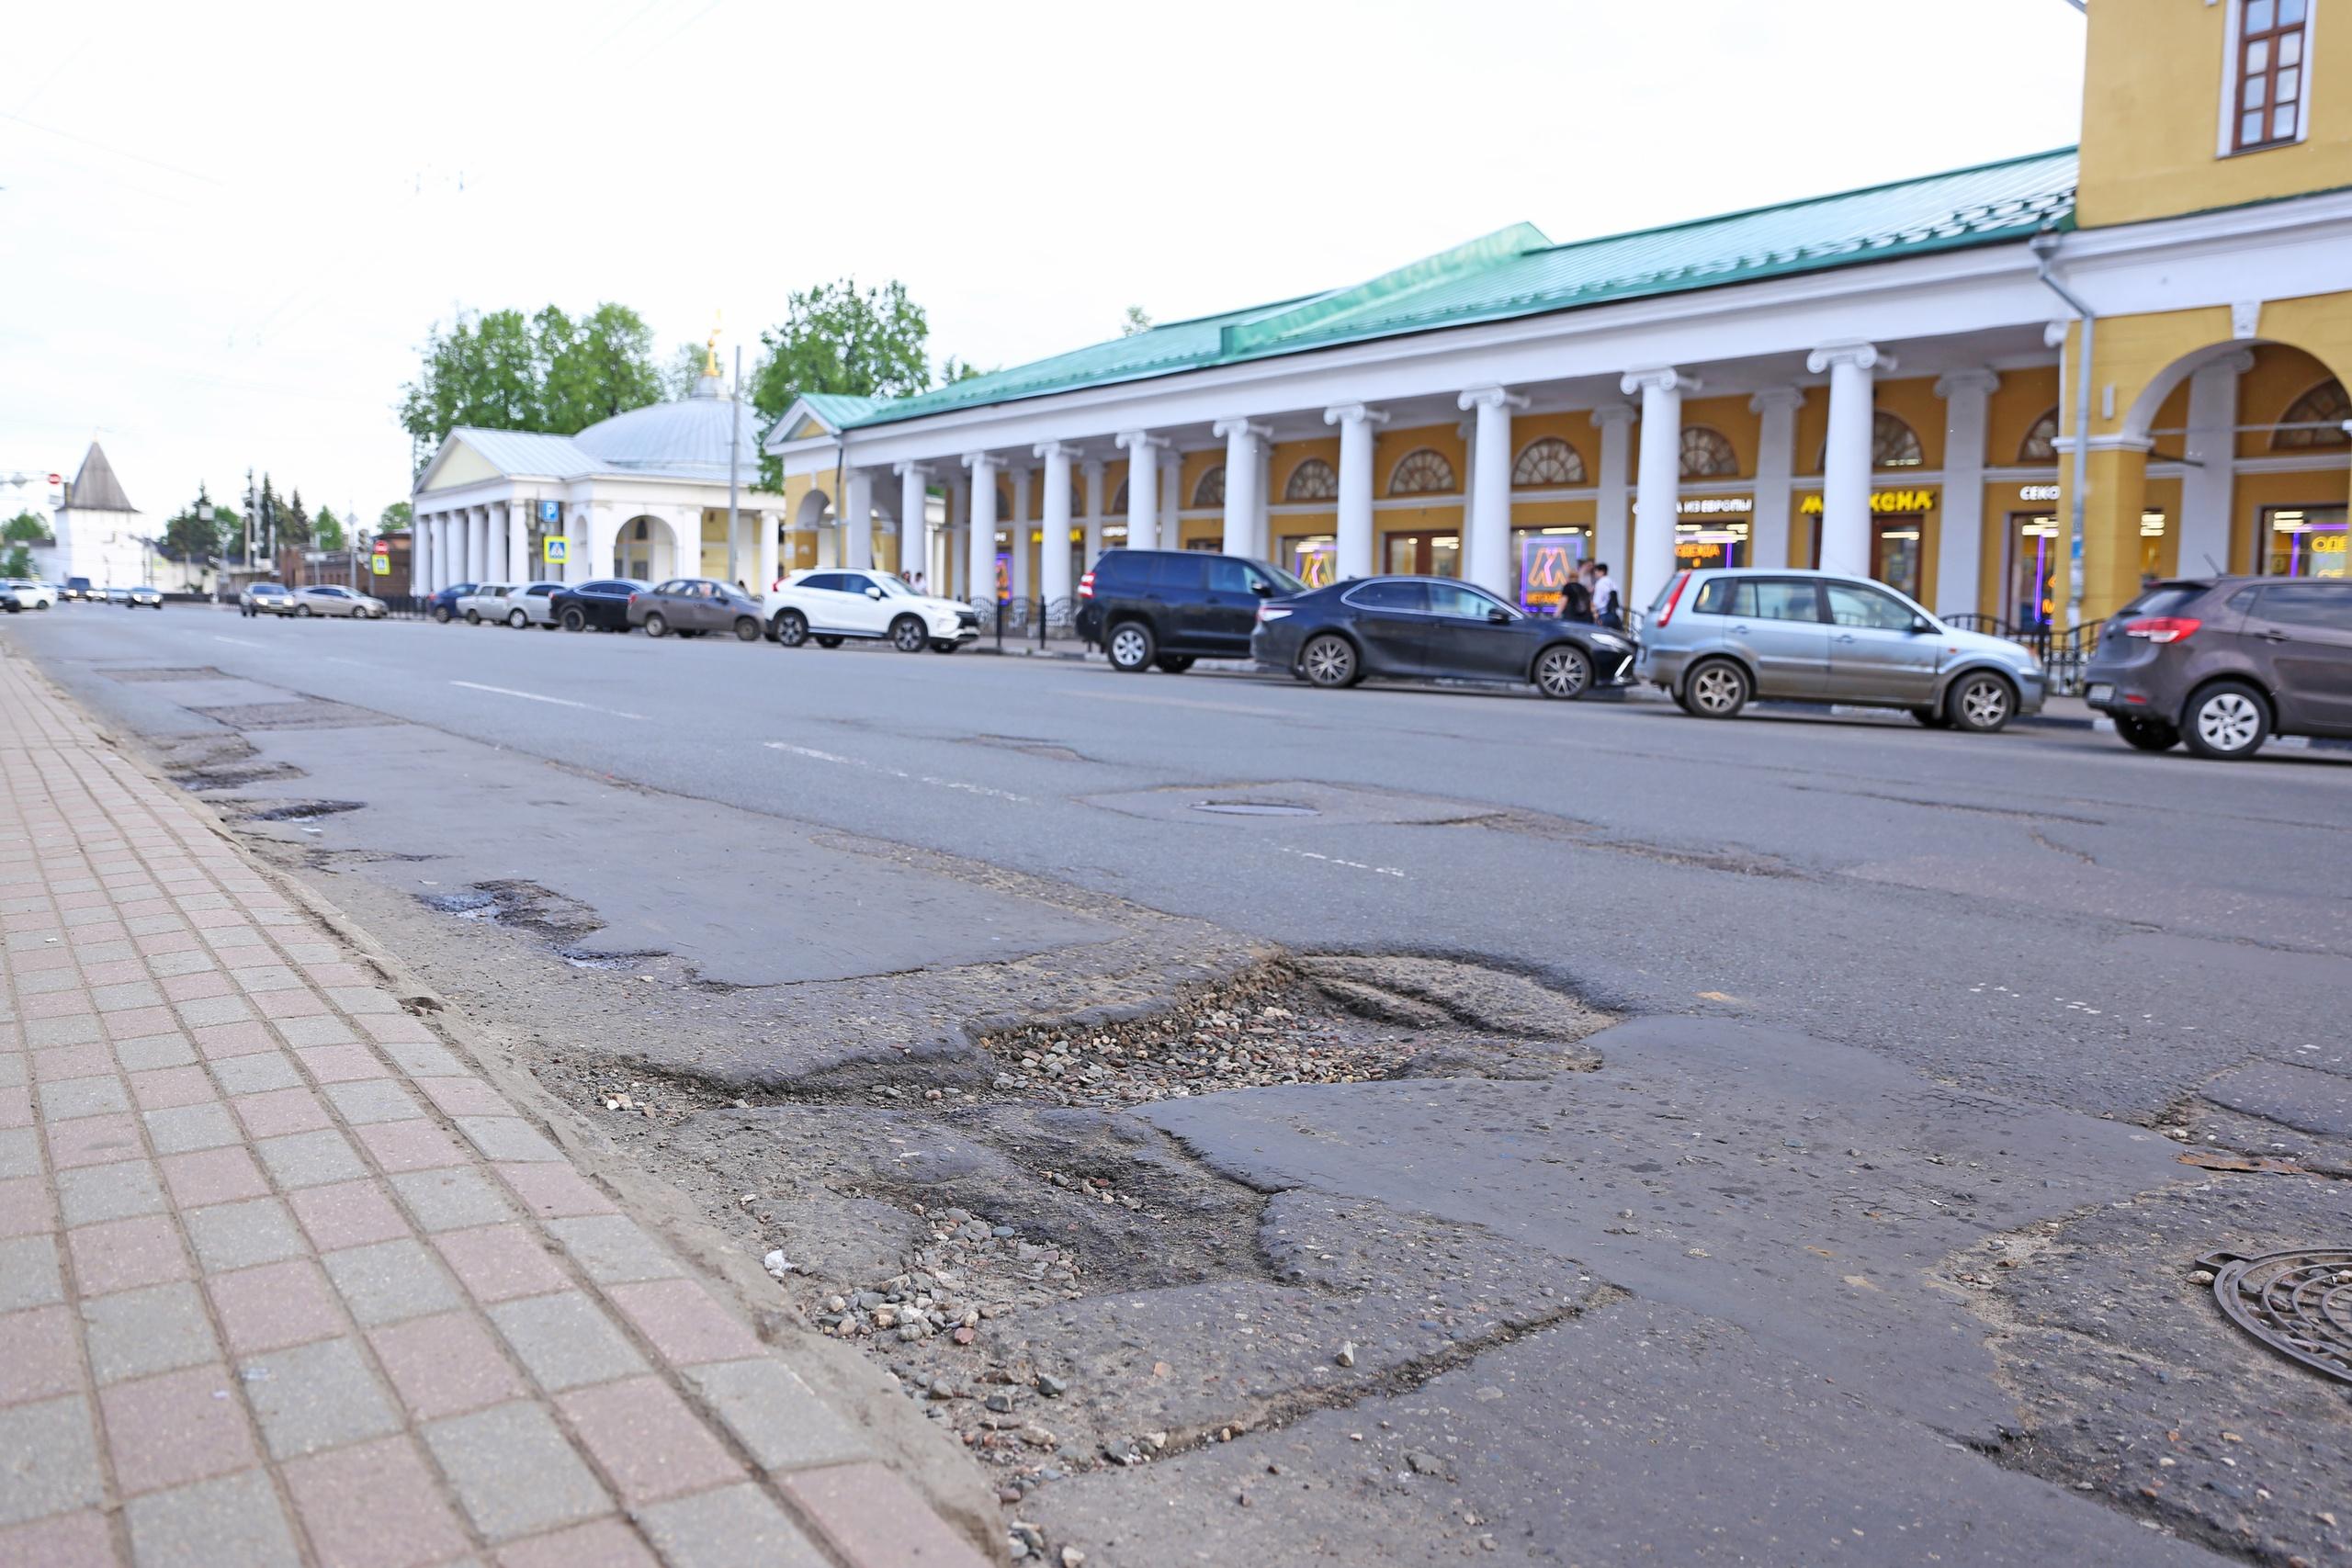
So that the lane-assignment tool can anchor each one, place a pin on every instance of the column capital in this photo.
(2236, 363)
(1354, 414)
(1227, 428)
(1658, 379)
(1974, 380)
(1772, 397)
(1051, 449)
(1139, 445)
(913, 471)
(1608, 414)
(982, 462)
(1489, 397)
(1860, 356)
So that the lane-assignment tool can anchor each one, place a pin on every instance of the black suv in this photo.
(2224, 663)
(1169, 607)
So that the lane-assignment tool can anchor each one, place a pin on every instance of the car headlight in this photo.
(1604, 639)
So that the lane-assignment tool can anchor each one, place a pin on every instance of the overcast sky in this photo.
(224, 230)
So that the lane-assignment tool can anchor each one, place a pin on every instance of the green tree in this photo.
(683, 369)
(1136, 321)
(26, 528)
(189, 538)
(397, 518)
(548, 372)
(17, 562)
(326, 530)
(837, 338)
(594, 368)
(952, 370)
(293, 524)
(267, 510)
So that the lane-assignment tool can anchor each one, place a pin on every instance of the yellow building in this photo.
(1886, 381)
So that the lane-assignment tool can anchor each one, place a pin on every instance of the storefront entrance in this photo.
(2029, 595)
(2304, 541)
(1425, 553)
(1543, 562)
(1895, 552)
(1314, 558)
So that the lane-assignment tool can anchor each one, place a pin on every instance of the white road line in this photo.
(241, 642)
(535, 697)
(816, 756)
(1335, 860)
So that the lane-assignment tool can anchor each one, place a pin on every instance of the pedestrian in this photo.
(1576, 598)
(1608, 604)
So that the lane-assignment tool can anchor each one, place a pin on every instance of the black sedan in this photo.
(1432, 629)
(601, 606)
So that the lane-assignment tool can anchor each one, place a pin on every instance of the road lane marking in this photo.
(241, 642)
(1335, 860)
(536, 698)
(816, 756)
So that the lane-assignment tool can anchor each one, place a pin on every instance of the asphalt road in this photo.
(1904, 999)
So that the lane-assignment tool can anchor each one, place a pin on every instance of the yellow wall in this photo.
(2153, 83)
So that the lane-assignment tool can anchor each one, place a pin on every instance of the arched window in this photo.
(1312, 481)
(1547, 463)
(1210, 490)
(1119, 500)
(1893, 444)
(2321, 413)
(1422, 472)
(2041, 444)
(1706, 455)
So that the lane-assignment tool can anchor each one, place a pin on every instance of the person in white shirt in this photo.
(1608, 604)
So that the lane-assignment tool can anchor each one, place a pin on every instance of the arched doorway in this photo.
(646, 550)
(812, 521)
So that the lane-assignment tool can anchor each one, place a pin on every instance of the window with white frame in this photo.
(2266, 88)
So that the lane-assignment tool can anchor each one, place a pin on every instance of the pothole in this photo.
(136, 676)
(1254, 809)
(310, 712)
(292, 811)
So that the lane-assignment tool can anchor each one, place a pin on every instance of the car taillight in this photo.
(1086, 586)
(2163, 628)
(632, 598)
(1673, 597)
(1271, 613)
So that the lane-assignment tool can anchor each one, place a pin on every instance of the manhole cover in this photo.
(2299, 1304)
(1254, 809)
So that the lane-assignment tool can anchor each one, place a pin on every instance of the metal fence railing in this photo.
(2064, 651)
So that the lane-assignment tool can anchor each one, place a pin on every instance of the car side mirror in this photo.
(1921, 626)
(1261, 588)
(1497, 615)
(874, 594)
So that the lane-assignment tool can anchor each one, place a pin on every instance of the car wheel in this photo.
(1174, 664)
(828, 642)
(474, 618)
(1329, 661)
(1563, 672)
(1131, 646)
(2228, 721)
(791, 628)
(2147, 734)
(655, 625)
(909, 635)
(746, 630)
(1981, 703)
(1932, 718)
(302, 611)
(441, 614)
(517, 620)
(1717, 688)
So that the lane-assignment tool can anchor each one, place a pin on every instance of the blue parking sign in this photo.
(551, 512)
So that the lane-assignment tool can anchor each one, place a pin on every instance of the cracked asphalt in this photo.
(1865, 1236)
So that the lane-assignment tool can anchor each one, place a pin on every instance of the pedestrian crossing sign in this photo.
(556, 549)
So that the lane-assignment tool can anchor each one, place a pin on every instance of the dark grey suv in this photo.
(2224, 663)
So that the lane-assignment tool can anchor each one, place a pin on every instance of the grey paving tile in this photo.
(612, 1249)
(513, 1472)
(391, 1281)
(373, 1099)
(233, 1519)
(322, 1030)
(156, 1329)
(19, 1152)
(310, 1159)
(153, 1052)
(566, 1341)
(730, 1526)
(778, 1419)
(452, 1199)
(184, 1128)
(238, 1236)
(258, 1074)
(29, 1273)
(108, 1192)
(49, 1459)
(82, 1097)
(315, 1396)
(421, 1060)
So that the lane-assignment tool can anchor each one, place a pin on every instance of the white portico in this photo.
(643, 495)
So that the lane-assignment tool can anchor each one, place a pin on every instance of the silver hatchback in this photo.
(1714, 639)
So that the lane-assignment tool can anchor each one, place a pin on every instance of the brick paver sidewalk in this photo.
(283, 1279)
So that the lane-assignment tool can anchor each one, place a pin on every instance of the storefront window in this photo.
(1543, 560)
(2152, 544)
(2034, 550)
(1313, 558)
(1427, 554)
(2306, 541)
(1895, 552)
(1710, 543)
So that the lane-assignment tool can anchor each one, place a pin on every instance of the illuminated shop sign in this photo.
(1714, 505)
(1885, 501)
(2037, 492)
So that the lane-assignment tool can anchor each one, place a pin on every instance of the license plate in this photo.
(2098, 691)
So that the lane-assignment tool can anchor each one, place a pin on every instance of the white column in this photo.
(959, 532)
(1024, 584)
(1485, 550)
(2207, 493)
(1657, 481)
(1143, 490)
(1262, 529)
(857, 518)
(1961, 519)
(1846, 463)
(1611, 484)
(1776, 457)
(1354, 546)
(1054, 584)
(1242, 441)
(477, 543)
(449, 551)
(1172, 498)
(914, 523)
(420, 552)
(981, 551)
(517, 518)
(1094, 469)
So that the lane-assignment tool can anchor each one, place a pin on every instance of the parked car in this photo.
(601, 606)
(530, 604)
(693, 605)
(24, 593)
(2226, 662)
(441, 604)
(265, 599)
(143, 597)
(1715, 639)
(119, 596)
(487, 602)
(832, 605)
(1428, 628)
(79, 588)
(1166, 608)
(327, 599)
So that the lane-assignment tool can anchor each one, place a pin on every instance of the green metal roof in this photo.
(1519, 272)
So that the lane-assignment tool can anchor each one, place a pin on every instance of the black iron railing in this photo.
(2064, 651)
